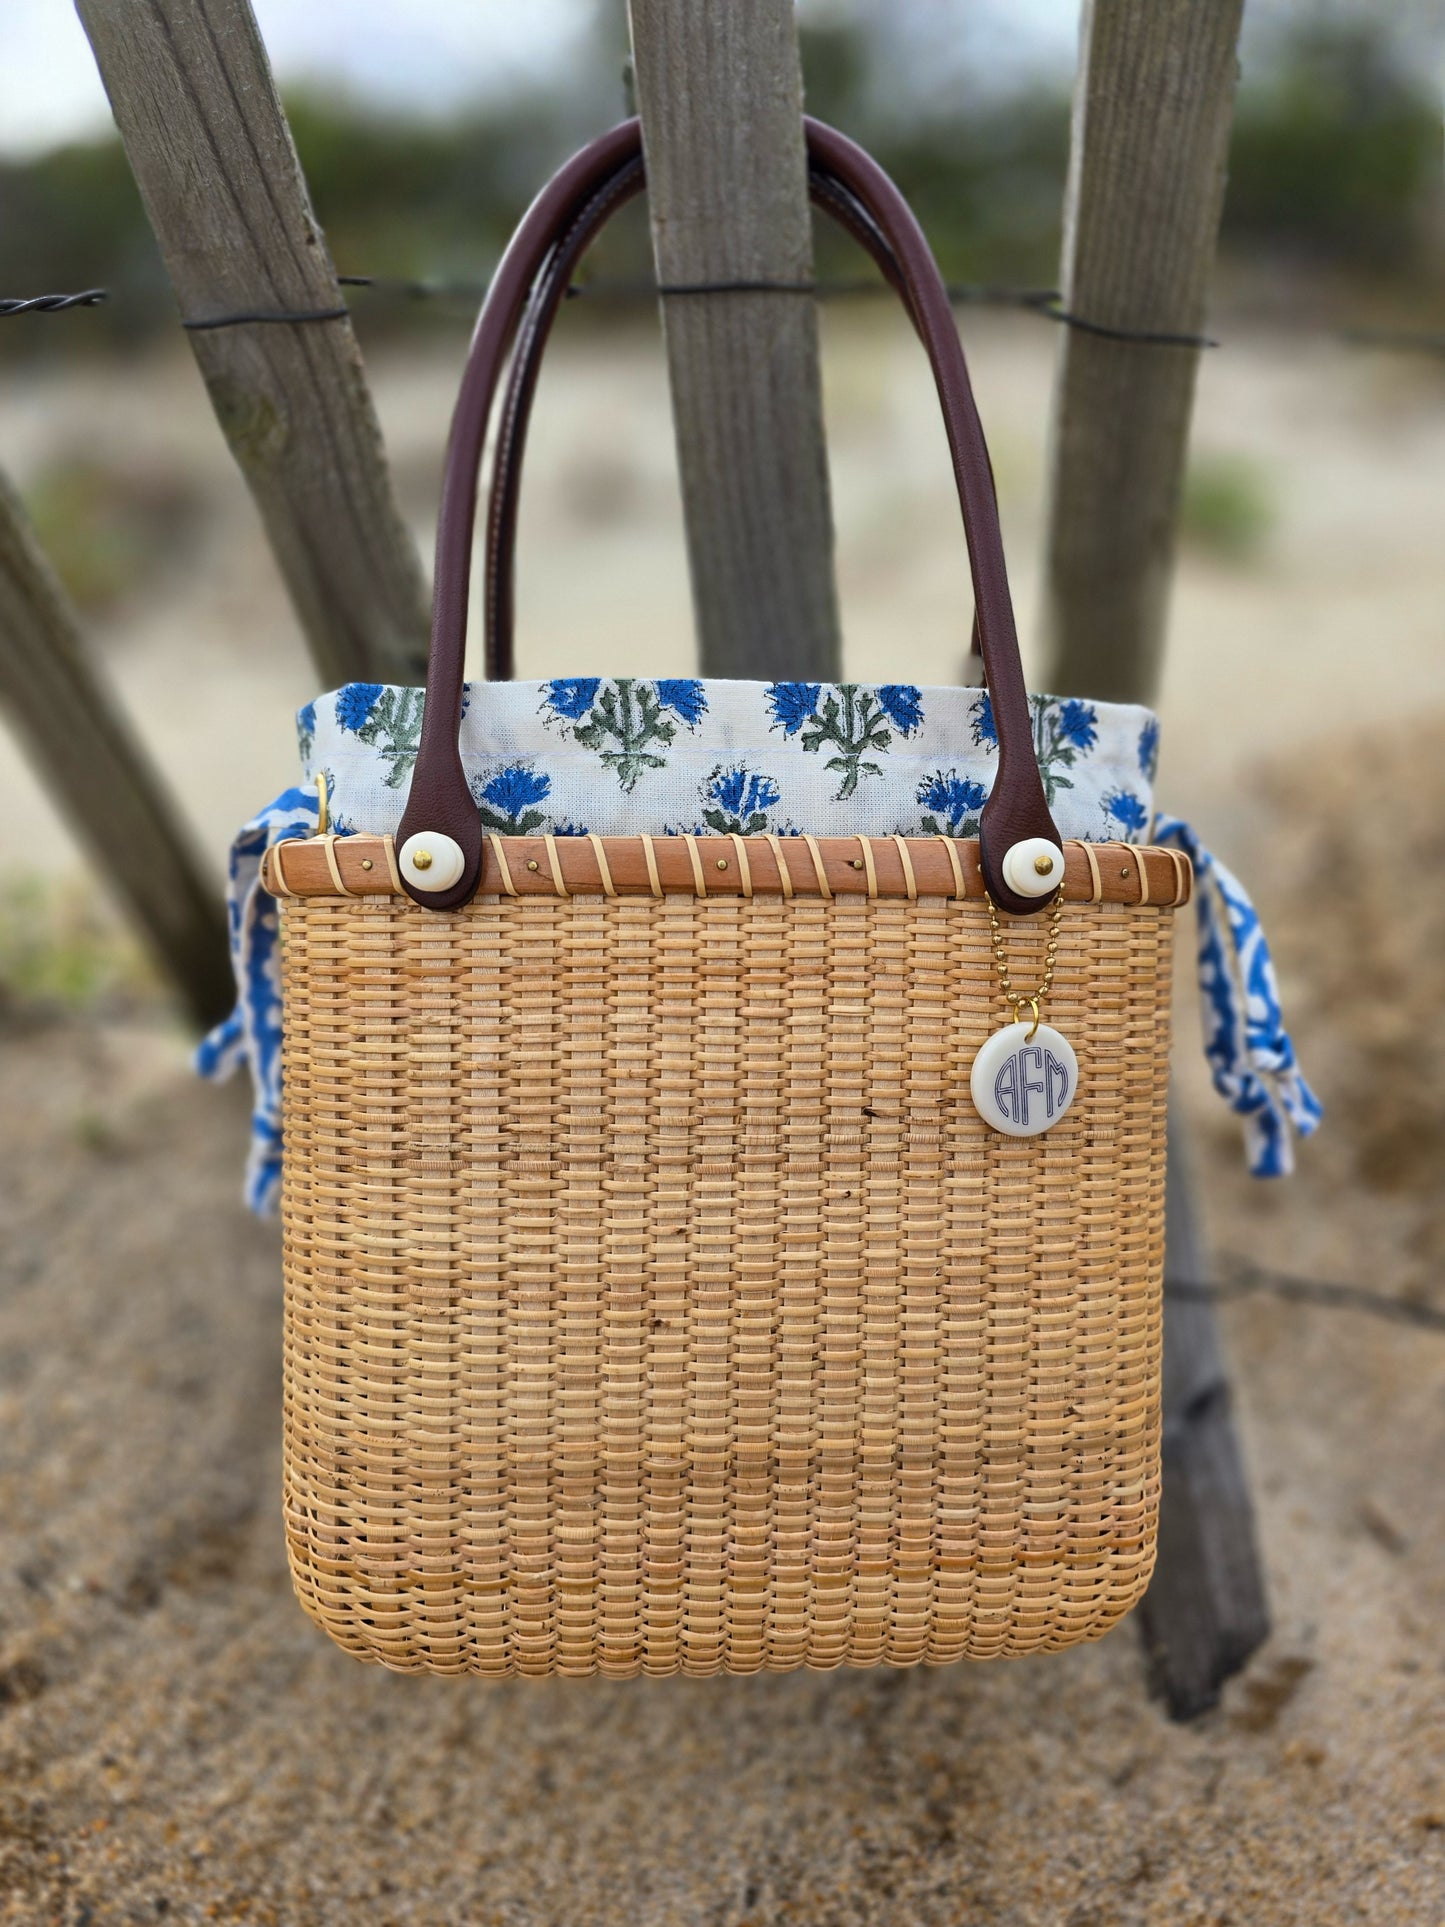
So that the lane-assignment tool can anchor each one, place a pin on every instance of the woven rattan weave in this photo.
(657, 1302)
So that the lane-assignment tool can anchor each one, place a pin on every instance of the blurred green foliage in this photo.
(413, 198)
(1337, 153)
(1336, 161)
(1228, 508)
(63, 949)
(109, 528)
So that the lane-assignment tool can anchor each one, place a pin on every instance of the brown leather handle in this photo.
(440, 799)
(547, 296)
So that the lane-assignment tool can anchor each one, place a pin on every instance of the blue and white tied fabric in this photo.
(1250, 1052)
(252, 1033)
(623, 756)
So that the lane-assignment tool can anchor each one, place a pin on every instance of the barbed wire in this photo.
(1045, 303)
(53, 303)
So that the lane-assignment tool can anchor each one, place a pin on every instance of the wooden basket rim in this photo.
(729, 866)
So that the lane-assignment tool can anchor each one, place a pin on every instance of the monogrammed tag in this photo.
(1023, 1084)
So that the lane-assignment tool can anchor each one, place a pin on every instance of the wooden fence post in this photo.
(1205, 1611)
(719, 89)
(1152, 112)
(193, 97)
(71, 728)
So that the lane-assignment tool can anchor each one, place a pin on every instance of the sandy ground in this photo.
(176, 1741)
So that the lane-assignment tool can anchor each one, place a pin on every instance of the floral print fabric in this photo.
(621, 755)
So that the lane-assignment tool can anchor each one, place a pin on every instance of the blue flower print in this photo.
(685, 696)
(1123, 811)
(792, 704)
(1078, 724)
(1063, 732)
(624, 721)
(737, 801)
(505, 801)
(355, 703)
(388, 719)
(850, 718)
(903, 706)
(306, 731)
(1149, 748)
(570, 697)
(951, 804)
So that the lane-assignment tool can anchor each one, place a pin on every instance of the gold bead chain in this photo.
(1029, 1000)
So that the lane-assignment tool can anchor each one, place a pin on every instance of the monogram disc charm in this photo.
(1024, 1079)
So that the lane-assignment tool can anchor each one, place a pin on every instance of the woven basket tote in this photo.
(656, 1298)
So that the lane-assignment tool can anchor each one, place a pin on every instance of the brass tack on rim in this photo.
(532, 863)
(722, 863)
(855, 862)
(366, 863)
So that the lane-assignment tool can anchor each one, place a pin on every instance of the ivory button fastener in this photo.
(1034, 867)
(431, 861)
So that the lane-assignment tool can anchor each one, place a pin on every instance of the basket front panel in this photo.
(657, 1300)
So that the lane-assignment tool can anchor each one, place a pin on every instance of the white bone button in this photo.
(431, 861)
(1033, 868)
(1022, 1084)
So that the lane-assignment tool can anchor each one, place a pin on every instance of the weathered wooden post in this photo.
(720, 93)
(1152, 111)
(193, 97)
(73, 732)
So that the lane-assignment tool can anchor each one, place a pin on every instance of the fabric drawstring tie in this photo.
(1247, 1046)
(1250, 1053)
(252, 1033)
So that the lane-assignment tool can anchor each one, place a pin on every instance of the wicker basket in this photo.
(656, 1301)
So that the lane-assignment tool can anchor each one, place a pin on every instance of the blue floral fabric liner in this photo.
(624, 757)
(620, 756)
